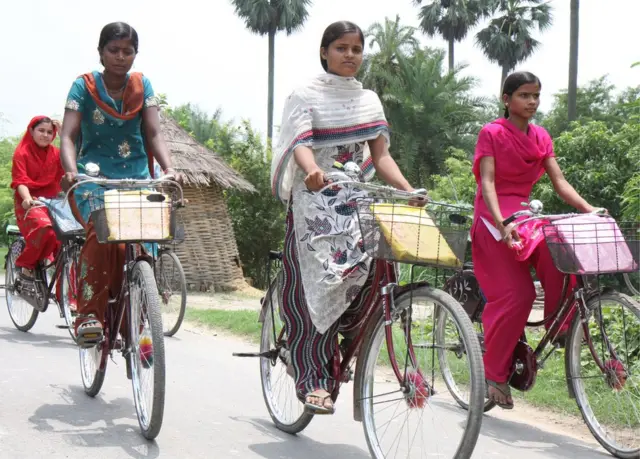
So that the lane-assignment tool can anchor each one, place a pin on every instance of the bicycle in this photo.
(27, 299)
(569, 240)
(128, 211)
(170, 279)
(390, 322)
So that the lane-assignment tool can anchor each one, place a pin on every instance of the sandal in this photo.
(89, 332)
(321, 408)
(495, 385)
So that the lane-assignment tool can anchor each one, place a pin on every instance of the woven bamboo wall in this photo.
(209, 253)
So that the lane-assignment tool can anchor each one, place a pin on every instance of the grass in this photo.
(241, 322)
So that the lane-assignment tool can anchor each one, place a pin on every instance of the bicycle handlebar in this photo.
(535, 212)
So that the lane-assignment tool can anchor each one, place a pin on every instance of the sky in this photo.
(198, 51)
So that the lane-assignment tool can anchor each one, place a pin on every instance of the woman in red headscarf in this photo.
(36, 173)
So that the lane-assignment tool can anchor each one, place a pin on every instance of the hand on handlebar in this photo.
(509, 235)
(315, 180)
(28, 203)
(68, 180)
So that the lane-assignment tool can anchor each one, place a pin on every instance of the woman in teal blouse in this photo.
(111, 118)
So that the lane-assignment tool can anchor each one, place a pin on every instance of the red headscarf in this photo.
(37, 168)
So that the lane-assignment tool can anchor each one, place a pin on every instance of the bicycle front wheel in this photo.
(146, 343)
(609, 399)
(22, 314)
(172, 288)
(400, 414)
(69, 289)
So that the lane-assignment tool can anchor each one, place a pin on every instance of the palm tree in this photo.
(268, 17)
(507, 40)
(574, 34)
(391, 40)
(452, 19)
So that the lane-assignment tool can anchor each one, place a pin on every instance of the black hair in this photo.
(117, 31)
(41, 121)
(334, 32)
(514, 81)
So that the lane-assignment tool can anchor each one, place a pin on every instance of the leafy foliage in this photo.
(457, 185)
(264, 16)
(452, 19)
(508, 39)
(598, 162)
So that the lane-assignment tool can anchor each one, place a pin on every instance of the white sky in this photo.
(199, 51)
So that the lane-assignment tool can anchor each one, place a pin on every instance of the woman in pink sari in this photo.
(511, 156)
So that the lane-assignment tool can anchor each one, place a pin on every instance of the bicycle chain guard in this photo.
(524, 368)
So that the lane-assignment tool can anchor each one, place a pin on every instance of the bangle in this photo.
(168, 169)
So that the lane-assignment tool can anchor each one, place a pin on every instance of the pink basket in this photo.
(591, 244)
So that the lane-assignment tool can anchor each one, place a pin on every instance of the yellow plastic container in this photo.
(413, 236)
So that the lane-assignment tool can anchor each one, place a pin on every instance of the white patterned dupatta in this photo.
(335, 117)
(330, 111)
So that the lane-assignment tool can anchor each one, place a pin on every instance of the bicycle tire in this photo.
(9, 279)
(70, 265)
(170, 255)
(92, 383)
(573, 364)
(627, 280)
(369, 358)
(266, 334)
(150, 425)
(447, 374)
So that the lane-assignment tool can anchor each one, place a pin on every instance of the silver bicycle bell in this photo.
(92, 169)
(535, 206)
(353, 171)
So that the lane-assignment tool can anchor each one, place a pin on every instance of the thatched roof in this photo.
(199, 165)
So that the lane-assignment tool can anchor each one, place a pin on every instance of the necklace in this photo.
(113, 91)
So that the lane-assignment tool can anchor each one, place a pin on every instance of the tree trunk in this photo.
(505, 74)
(272, 42)
(572, 93)
(451, 61)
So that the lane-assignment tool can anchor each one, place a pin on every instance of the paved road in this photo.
(214, 408)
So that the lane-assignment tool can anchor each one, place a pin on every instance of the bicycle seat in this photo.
(13, 230)
(468, 265)
(275, 255)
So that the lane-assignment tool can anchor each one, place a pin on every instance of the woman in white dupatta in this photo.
(327, 124)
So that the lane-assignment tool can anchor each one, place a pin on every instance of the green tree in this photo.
(452, 19)
(574, 35)
(457, 185)
(508, 39)
(429, 110)
(268, 17)
(596, 101)
(390, 40)
(598, 162)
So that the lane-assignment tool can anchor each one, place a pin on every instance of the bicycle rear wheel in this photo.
(22, 314)
(146, 354)
(276, 375)
(633, 283)
(387, 402)
(608, 400)
(172, 288)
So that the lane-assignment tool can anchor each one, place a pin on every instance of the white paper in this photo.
(492, 229)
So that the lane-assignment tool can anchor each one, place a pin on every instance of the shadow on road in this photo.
(285, 446)
(550, 444)
(95, 423)
(12, 335)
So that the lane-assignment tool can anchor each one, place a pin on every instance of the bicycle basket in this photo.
(130, 215)
(62, 220)
(436, 235)
(590, 244)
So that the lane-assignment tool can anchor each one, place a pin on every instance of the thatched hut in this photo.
(209, 253)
